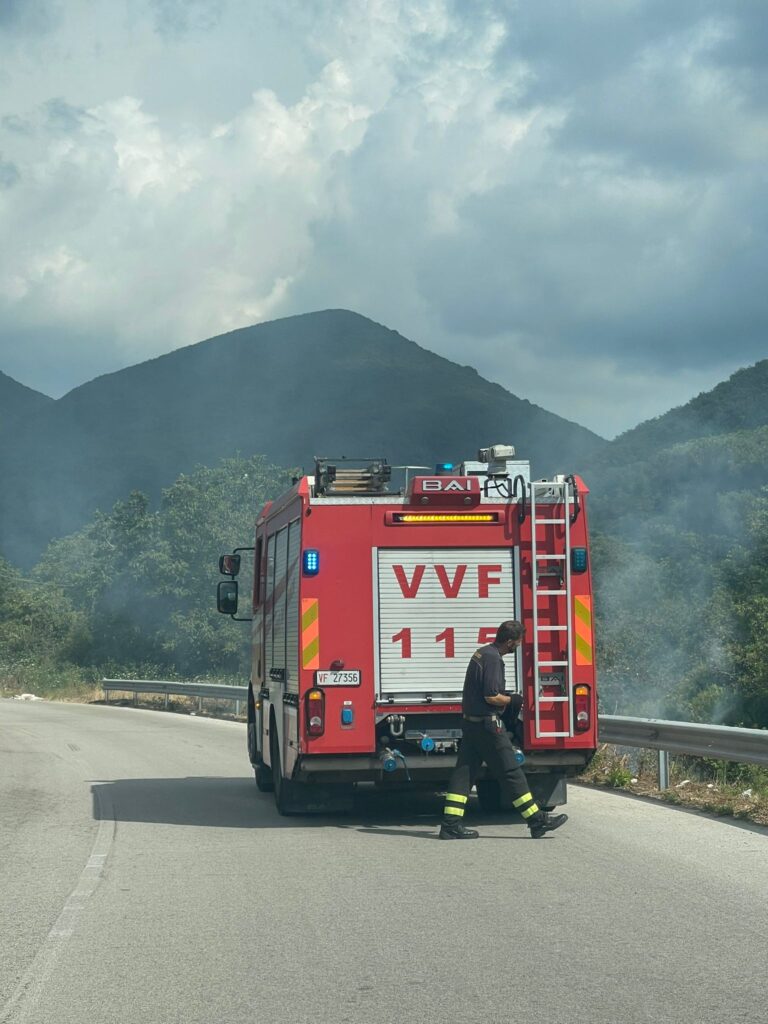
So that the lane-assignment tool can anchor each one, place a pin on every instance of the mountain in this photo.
(676, 470)
(17, 404)
(739, 403)
(327, 383)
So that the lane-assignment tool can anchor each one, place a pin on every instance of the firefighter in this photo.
(485, 739)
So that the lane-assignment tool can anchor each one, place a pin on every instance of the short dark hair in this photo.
(510, 630)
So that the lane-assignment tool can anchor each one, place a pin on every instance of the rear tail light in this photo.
(315, 709)
(581, 708)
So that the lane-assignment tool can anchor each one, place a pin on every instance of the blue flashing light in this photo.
(347, 716)
(444, 467)
(579, 560)
(311, 562)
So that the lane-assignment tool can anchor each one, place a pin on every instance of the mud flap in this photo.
(311, 798)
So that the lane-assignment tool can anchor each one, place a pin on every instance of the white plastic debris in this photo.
(685, 782)
(27, 696)
(633, 781)
(747, 792)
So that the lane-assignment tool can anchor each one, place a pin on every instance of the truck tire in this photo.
(264, 781)
(289, 796)
(254, 754)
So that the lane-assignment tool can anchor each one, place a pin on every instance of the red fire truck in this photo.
(368, 604)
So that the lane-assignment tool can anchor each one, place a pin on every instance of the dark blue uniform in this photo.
(486, 740)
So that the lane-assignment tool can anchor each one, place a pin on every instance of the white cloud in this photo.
(497, 182)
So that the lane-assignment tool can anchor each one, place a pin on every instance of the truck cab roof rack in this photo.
(351, 476)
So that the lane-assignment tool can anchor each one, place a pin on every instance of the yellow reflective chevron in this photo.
(582, 621)
(310, 633)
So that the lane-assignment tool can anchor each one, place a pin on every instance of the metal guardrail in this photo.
(200, 690)
(721, 742)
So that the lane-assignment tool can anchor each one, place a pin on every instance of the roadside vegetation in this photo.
(132, 595)
(717, 787)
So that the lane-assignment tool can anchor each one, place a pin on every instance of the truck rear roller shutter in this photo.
(433, 609)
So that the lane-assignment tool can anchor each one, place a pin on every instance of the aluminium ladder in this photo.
(549, 497)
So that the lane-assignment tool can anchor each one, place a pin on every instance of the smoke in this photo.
(672, 538)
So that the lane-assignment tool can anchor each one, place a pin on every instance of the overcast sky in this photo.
(569, 196)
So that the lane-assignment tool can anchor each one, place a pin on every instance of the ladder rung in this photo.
(540, 592)
(549, 664)
(542, 522)
(549, 558)
(552, 700)
(552, 629)
(548, 735)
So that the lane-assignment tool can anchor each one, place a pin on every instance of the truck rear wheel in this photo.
(254, 754)
(264, 781)
(289, 796)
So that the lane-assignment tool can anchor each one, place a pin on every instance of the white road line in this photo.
(29, 989)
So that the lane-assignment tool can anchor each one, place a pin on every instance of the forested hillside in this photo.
(133, 590)
(329, 383)
(679, 512)
(18, 405)
(739, 403)
(680, 557)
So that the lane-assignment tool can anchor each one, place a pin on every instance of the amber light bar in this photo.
(439, 518)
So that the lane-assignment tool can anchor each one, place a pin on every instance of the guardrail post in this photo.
(200, 705)
(135, 698)
(166, 702)
(663, 769)
(237, 709)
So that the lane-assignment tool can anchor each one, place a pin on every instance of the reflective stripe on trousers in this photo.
(454, 805)
(483, 743)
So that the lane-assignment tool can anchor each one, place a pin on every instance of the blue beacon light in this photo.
(311, 562)
(578, 560)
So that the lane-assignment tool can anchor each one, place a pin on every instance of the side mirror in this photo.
(226, 597)
(229, 565)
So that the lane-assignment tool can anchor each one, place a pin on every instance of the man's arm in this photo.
(498, 700)
(493, 683)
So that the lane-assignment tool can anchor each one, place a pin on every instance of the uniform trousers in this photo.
(487, 742)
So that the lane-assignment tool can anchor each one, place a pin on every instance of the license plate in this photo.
(350, 677)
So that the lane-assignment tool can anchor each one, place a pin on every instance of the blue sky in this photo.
(570, 197)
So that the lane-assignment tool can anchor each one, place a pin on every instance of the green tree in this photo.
(38, 624)
(145, 579)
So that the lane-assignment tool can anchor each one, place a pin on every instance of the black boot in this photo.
(546, 823)
(457, 830)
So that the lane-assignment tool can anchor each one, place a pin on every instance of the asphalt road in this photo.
(144, 879)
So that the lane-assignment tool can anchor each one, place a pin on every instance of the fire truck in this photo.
(368, 604)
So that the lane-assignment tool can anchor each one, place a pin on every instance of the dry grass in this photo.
(176, 703)
(737, 791)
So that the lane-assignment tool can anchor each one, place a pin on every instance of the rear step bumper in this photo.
(367, 767)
